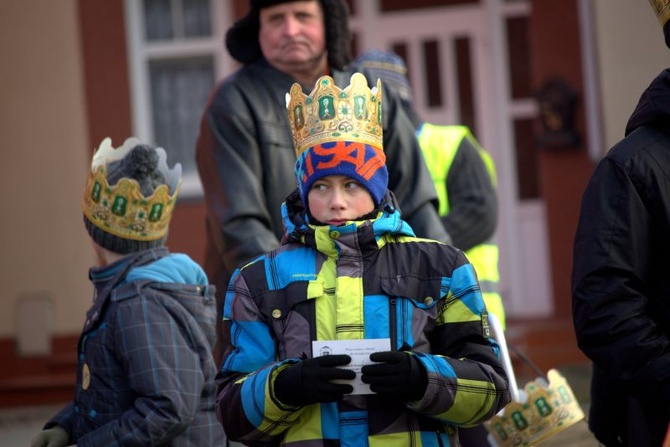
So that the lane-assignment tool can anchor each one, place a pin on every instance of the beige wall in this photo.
(631, 54)
(42, 162)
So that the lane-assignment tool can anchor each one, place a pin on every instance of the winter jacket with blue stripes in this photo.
(367, 279)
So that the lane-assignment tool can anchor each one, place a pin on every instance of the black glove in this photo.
(400, 376)
(309, 381)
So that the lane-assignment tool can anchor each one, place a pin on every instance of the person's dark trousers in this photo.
(617, 419)
(473, 436)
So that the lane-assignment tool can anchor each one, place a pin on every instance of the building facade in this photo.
(546, 86)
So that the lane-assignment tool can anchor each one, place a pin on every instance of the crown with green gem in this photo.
(121, 209)
(330, 114)
(548, 408)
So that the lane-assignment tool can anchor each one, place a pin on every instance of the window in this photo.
(176, 55)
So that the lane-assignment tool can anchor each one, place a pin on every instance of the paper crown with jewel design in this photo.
(548, 409)
(662, 10)
(331, 114)
(129, 196)
(339, 131)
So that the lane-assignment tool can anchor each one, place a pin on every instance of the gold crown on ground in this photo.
(548, 409)
(121, 209)
(331, 114)
(662, 10)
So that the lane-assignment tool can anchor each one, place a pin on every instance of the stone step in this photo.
(41, 389)
(38, 380)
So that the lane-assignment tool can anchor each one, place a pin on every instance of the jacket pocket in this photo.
(424, 293)
(413, 309)
(276, 304)
(291, 313)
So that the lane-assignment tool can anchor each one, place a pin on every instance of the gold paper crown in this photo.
(331, 114)
(121, 209)
(662, 9)
(548, 409)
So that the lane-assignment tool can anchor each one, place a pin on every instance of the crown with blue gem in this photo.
(545, 409)
(121, 209)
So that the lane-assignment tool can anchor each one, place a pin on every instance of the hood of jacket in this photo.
(156, 264)
(173, 268)
(653, 108)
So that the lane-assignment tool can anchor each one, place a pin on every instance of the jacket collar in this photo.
(362, 235)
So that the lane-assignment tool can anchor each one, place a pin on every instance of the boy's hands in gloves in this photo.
(310, 381)
(399, 375)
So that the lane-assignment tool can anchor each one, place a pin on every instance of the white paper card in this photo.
(359, 350)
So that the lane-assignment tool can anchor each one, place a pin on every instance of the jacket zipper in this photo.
(393, 317)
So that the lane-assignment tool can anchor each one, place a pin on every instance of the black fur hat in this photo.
(242, 37)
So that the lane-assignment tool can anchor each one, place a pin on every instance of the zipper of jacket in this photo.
(393, 321)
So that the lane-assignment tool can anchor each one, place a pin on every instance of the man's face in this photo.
(292, 35)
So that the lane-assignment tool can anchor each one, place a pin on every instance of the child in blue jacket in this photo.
(402, 319)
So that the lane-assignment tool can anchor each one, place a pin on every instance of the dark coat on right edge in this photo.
(621, 278)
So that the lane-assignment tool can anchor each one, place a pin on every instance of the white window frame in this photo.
(141, 52)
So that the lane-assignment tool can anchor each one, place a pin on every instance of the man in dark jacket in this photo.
(245, 151)
(620, 282)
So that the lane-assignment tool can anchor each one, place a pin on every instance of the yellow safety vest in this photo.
(439, 145)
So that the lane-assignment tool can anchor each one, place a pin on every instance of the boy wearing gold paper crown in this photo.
(354, 331)
(145, 369)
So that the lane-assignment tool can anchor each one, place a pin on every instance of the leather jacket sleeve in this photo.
(229, 159)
